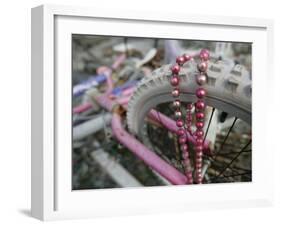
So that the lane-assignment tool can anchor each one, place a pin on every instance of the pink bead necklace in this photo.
(185, 127)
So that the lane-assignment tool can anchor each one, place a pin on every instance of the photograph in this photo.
(139, 112)
(158, 112)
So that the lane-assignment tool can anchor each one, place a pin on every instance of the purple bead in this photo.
(175, 69)
(200, 93)
(199, 141)
(189, 106)
(199, 125)
(204, 54)
(175, 81)
(200, 105)
(180, 60)
(176, 103)
(198, 148)
(199, 133)
(185, 155)
(189, 175)
(176, 92)
(180, 132)
(189, 117)
(186, 57)
(184, 148)
(179, 123)
(201, 79)
(199, 154)
(199, 178)
(198, 174)
(182, 140)
(189, 181)
(200, 115)
(202, 66)
(198, 165)
(199, 160)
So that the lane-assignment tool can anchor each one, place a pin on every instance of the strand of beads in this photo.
(200, 105)
(188, 169)
(189, 118)
(181, 133)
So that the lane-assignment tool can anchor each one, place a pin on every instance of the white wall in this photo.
(15, 111)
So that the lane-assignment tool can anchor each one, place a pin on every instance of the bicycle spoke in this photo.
(242, 169)
(236, 172)
(209, 123)
(231, 170)
(234, 152)
(226, 137)
(238, 154)
(239, 174)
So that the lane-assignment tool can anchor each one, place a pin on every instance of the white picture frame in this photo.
(52, 197)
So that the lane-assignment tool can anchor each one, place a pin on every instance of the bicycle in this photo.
(147, 111)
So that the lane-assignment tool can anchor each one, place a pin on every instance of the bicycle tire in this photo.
(228, 89)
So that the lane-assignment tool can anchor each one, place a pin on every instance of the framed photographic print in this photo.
(136, 112)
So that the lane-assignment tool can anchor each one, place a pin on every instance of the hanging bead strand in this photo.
(181, 132)
(185, 153)
(200, 105)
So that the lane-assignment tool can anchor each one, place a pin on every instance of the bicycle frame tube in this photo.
(96, 80)
(124, 98)
(149, 157)
(81, 108)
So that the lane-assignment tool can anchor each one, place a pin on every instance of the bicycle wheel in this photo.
(228, 93)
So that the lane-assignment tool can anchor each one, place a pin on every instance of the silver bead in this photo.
(175, 92)
(176, 104)
(201, 79)
(178, 114)
(202, 66)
